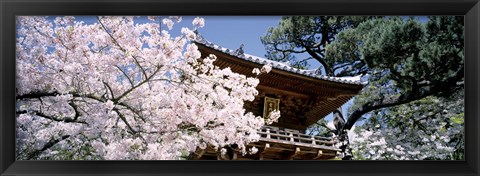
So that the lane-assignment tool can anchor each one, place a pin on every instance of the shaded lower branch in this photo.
(368, 107)
(120, 115)
(48, 145)
(440, 88)
(54, 118)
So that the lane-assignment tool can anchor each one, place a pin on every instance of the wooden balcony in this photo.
(280, 144)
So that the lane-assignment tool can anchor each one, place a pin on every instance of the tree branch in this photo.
(57, 119)
(121, 48)
(109, 89)
(49, 144)
(275, 46)
(448, 85)
(325, 65)
(125, 74)
(138, 85)
(77, 113)
(133, 110)
(125, 121)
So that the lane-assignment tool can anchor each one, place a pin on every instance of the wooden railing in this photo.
(289, 136)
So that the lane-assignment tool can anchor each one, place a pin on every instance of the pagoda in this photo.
(303, 97)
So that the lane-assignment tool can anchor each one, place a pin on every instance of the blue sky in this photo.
(232, 31)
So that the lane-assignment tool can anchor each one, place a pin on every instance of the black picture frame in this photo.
(10, 8)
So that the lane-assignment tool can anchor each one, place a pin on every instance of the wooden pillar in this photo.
(297, 151)
(268, 133)
(267, 145)
(319, 154)
(291, 136)
(234, 157)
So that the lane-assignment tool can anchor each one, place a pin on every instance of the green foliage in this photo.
(409, 64)
(406, 59)
(458, 119)
(185, 155)
(305, 34)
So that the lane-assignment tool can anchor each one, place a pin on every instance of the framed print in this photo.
(74, 83)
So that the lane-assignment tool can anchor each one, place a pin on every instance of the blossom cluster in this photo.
(265, 69)
(117, 89)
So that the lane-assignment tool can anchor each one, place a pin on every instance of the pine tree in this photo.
(403, 59)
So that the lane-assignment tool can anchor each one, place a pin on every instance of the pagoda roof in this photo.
(355, 80)
(318, 95)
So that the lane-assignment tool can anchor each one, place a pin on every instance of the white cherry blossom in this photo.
(116, 89)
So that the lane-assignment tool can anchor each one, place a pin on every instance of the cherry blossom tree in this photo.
(122, 89)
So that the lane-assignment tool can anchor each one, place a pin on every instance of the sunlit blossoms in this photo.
(198, 22)
(122, 89)
(266, 68)
(168, 23)
(273, 117)
(188, 33)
